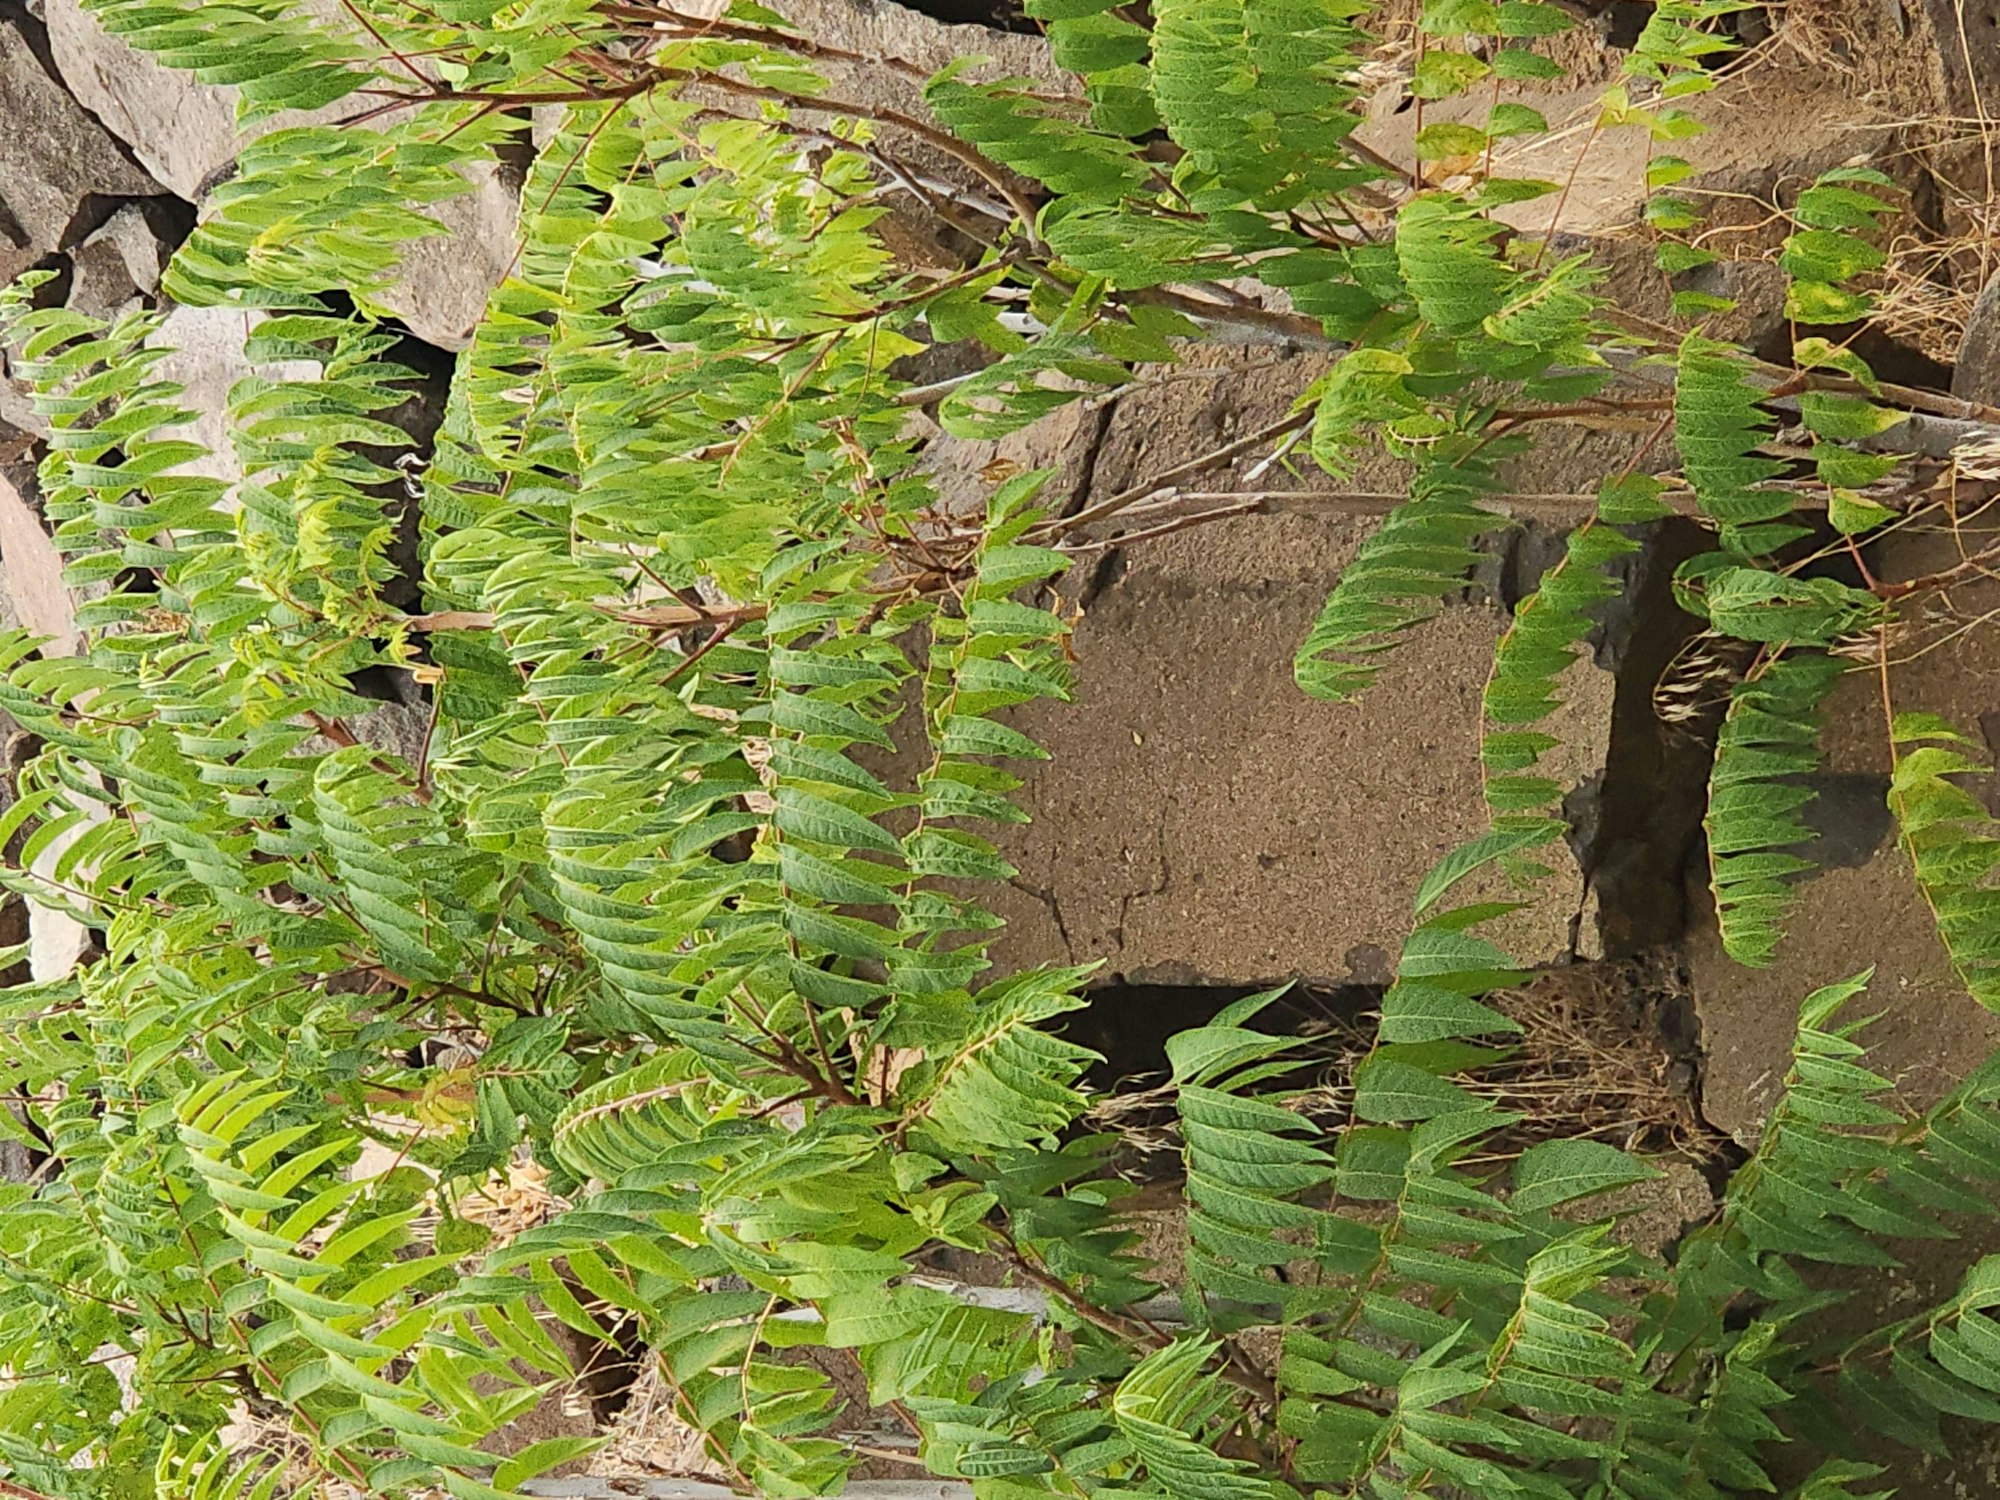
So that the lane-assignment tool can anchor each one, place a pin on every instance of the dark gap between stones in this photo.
(1001, 15)
(1130, 1023)
(1890, 359)
(1638, 828)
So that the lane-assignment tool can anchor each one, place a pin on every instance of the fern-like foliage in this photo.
(1420, 556)
(1547, 638)
(1768, 743)
(1718, 427)
(1952, 843)
(647, 908)
(1280, 60)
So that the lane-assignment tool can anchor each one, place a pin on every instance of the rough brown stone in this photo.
(1863, 906)
(1846, 919)
(1964, 46)
(57, 154)
(101, 284)
(131, 235)
(1201, 818)
(1976, 377)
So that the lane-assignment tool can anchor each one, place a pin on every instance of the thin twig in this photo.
(1152, 487)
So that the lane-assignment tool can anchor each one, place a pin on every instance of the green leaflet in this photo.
(1003, 1081)
(1278, 63)
(1418, 557)
(1011, 126)
(1752, 604)
(1770, 737)
(1559, 1171)
(1821, 256)
(402, 877)
(1953, 844)
(1164, 1408)
(664, 869)
(1544, 641)
(1445, 251)
(1717, 428)
(631, 1121)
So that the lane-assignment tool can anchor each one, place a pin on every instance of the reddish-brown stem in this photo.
(361, 17)
(688, 662)
(337, 731)
(659, 616)
(1562, 198)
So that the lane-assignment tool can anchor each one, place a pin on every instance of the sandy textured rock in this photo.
(56, 156)
(445, 281)
(1863, 907)
(209, 357)
(36, 598)
(182, 129)
(1202, 819)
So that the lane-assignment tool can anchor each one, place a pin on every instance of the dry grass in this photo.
(512, 1205)
(1925, 294)
(1589, 1062)
(648, 1438)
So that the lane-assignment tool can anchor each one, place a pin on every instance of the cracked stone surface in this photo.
(1202, 819)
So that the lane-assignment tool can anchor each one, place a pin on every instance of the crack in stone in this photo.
(1086, 469)
(1165, 884)
(1049, 900)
